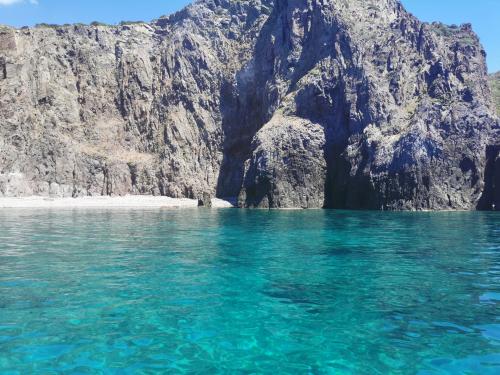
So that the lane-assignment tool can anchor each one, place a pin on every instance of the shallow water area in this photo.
(205, 291)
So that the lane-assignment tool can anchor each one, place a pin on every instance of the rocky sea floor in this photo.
(228, 291)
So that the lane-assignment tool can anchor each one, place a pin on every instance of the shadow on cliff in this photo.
(340, 103)
(490, 199)
(250, 101)
(247, 104)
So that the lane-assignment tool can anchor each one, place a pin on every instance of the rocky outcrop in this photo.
(278, 103)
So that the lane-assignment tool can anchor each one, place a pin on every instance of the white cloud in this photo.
(11, 2)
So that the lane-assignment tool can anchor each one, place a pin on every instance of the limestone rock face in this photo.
(278, 103)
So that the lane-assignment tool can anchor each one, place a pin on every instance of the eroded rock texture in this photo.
(495, 89)
(284, 103)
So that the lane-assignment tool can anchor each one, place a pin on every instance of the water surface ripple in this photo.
(236, 291)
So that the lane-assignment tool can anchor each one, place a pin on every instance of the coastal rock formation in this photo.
(275, 103)
(495, 89)
(491, 195)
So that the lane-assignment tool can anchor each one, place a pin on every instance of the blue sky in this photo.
(483, 14)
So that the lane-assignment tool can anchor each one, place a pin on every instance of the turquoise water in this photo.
(235, 291)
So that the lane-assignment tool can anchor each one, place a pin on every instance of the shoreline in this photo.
(153, 202)
(102, 202)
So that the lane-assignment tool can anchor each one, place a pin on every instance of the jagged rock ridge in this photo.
(298, 103)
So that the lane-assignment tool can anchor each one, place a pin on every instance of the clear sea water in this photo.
(235, 291)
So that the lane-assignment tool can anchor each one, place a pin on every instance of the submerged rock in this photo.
(284, 103)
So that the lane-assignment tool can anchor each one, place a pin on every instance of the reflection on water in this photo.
(293, 292)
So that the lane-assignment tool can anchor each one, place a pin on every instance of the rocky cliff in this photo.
(278, 103)
(495, 90)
